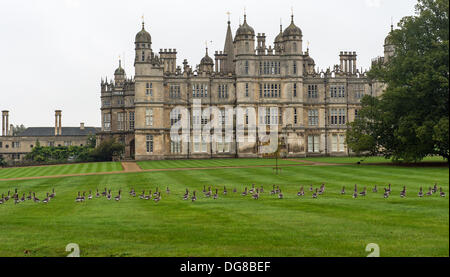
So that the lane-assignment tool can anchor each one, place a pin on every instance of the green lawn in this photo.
(365, 160)
(233, 225)
(211, 163)
(33, 171)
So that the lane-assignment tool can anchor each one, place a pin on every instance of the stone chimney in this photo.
(82, 126)
(58, 128)
(5, 123)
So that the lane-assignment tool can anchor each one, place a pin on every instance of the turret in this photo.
(143, 46)
(292, 39)
(244, 41)
(389, 47)
(206, 64)
(119, 75)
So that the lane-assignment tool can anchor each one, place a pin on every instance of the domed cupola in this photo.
(119, 70)
(244, 40)
(388, 39)
(143, 36)
(207, 63)
(245, 29)
(278, 43)
(292, 30)
(389, 47)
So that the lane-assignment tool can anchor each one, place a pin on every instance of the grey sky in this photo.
(54, 52)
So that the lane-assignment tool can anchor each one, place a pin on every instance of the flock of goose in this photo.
(208, 193)
(31, 196)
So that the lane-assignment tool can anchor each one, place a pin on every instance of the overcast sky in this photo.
(54, 52)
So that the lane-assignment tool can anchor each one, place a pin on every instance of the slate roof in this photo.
(50, 131)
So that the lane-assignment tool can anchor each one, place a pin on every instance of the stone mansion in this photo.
(313, 107)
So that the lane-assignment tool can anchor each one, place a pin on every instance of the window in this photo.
(143, 56)
(312, 91)
(149, 89)
(269, 67)
(313, 144)
(338, 143)
(247, 47)
(359, 92)
(175, 116)
(149, 117)
(295, 47)
(223, 91)
(337, 117)
(174, 91)
(131, 120)
(313, 117)
(175, 147)
(269, 90)
(337, 91)
(246, 89)
(295, 90)
(196, 144)
(149, 143)
(67, 143)
(294, 68)
(356, 113)
(199, 90)
(15, 144)
(31, 145)
(295, 116)
(107, 121)
(246, 67)
(120, 121)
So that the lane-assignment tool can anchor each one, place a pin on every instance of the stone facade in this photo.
(313, 106)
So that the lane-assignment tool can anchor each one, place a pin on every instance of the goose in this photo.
(430, 192)
(29, 197)
(149, 196)
(314, 195)
(156, 192)
(186, 195)
(167, 190)
(194, 197)
(441, 192)
(216, 194)
(16, 200)
(363, 193)
(389, 189)
(132, 192)
(277, 190)
(108, 196)
(47, 199)
(225, 190)
(53, 194)
(301, 192)
(280, 194)
(15, 195)
(7, 196)
(117, 198)
(343, 190)
(35, 199)
(78, 198)
(97, 194)
(209, 193)
(90, 195)
(142, 196)
(234, 190)
(104, 193)
(435, 188)
(158, 197)
(23, 198)
(310, 188)
(245, 192)
(1, 199)
(272, 192)
(403, 192)
(386, 193)
(420, 192)
(322, 189)
(204, 189)
(256, 195)
(375, 190)
(355, 192)
(83, 197)
(252, 190)
(261, 190)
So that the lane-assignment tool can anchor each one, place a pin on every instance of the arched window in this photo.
(295, 47)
